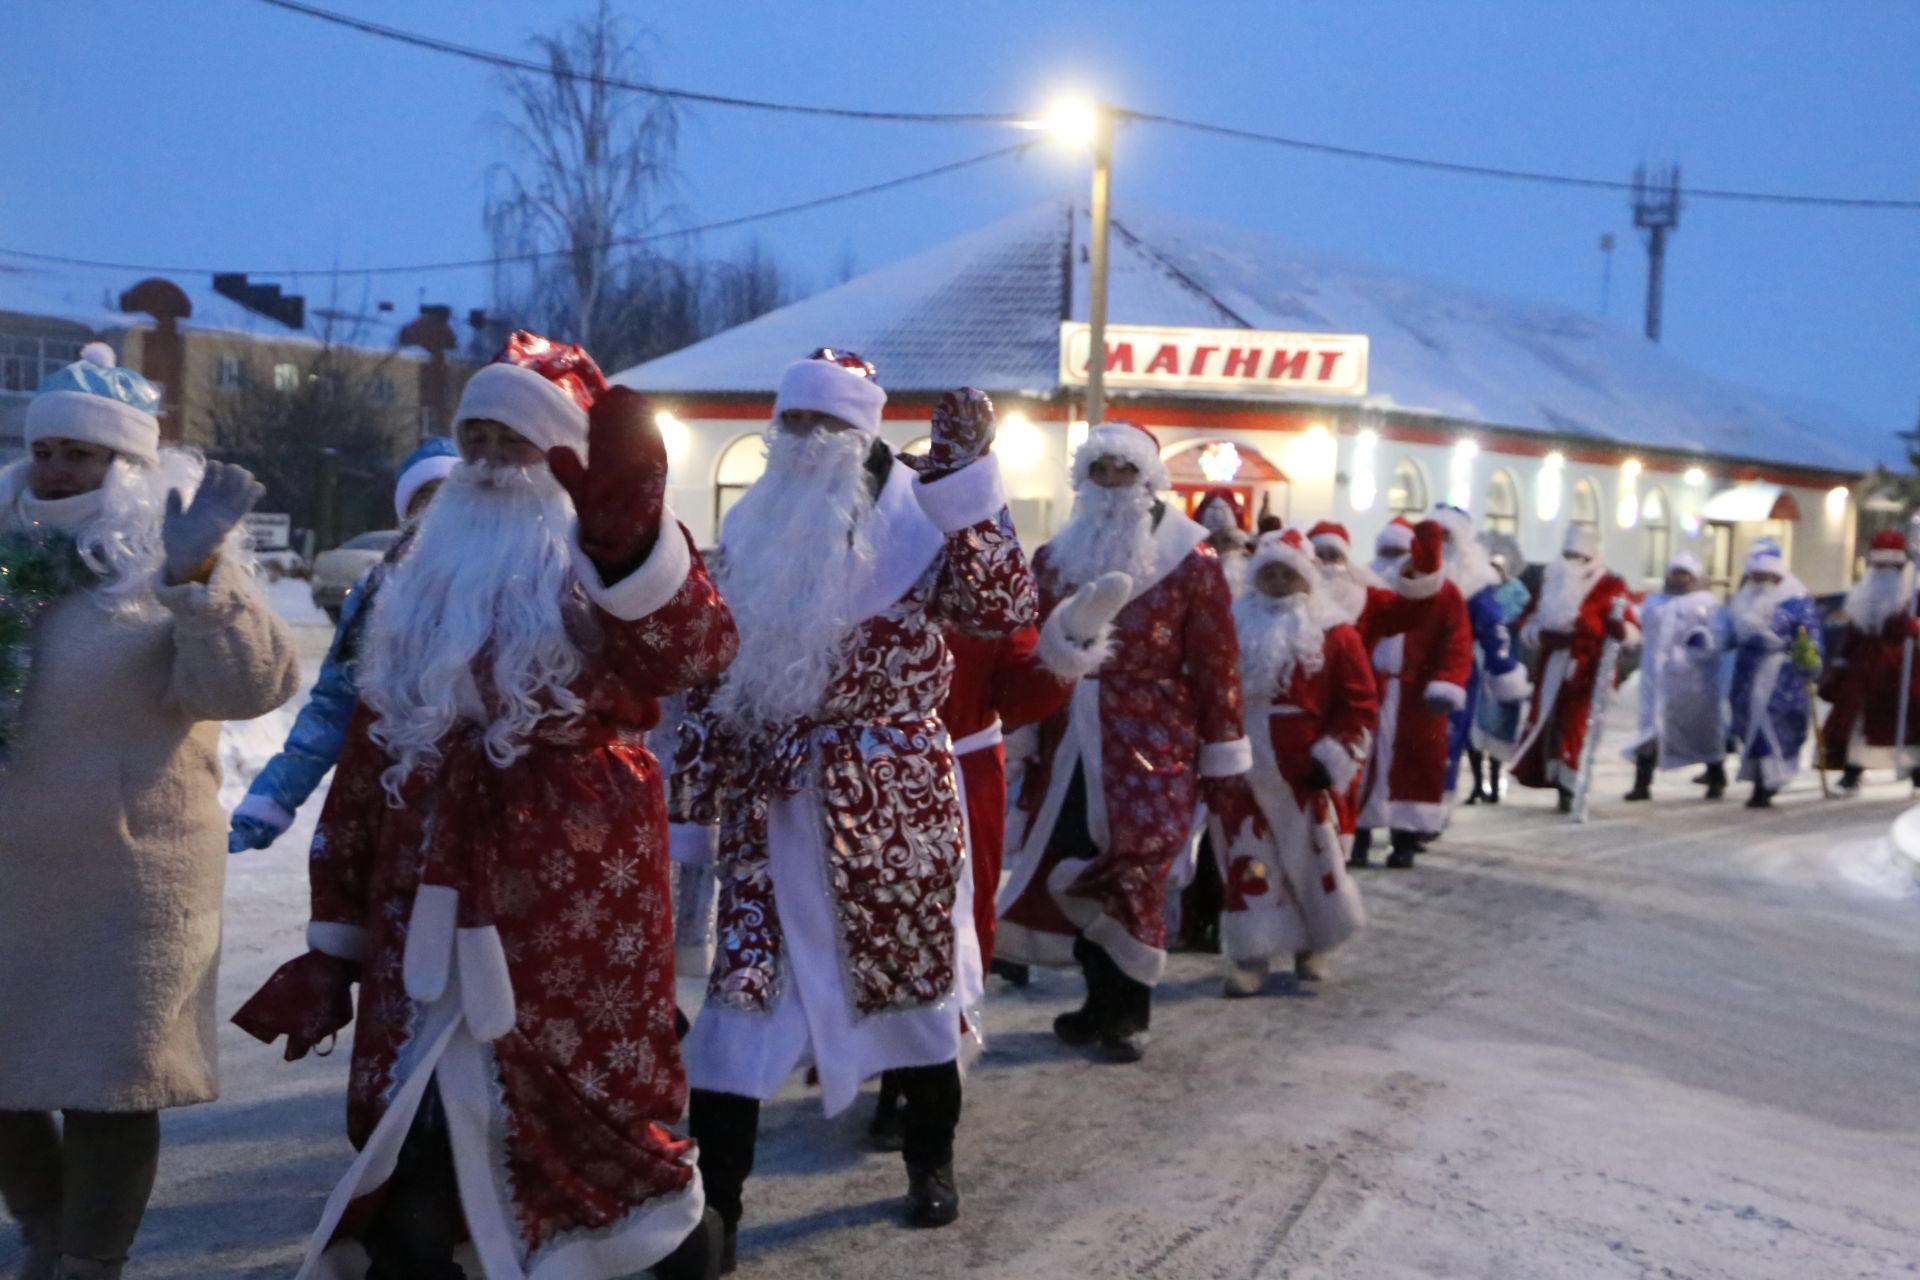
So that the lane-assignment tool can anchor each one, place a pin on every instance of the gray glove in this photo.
(192, 535)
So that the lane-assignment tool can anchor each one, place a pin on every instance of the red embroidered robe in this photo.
(1288, 890)
(877, 757)
(561, 1071)
(1566, 668)
(1162, 712)
(1862, 681)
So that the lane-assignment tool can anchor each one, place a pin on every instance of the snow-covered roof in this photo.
(92, 298)
(985, 309)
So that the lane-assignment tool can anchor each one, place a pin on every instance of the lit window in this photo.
(1407, 490)
(286, 377)
(1584, 509)
(1657, 521)
(1365, 487)
(1546, 500)
(741, 463)
(1501, 513)
(230, 373)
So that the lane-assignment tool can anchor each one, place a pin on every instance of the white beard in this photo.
(1469, 567)
(488, 591)
(1882, 594)
(1278, 635)
(1564, 590)
(1108, 530)
(1752, 608)
(1344, 585)
(795, 552)
(117, 527)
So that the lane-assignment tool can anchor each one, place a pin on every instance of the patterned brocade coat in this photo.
(560, 1081)
(1160, 714)
(873, 773)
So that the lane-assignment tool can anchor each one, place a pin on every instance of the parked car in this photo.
(335, 572)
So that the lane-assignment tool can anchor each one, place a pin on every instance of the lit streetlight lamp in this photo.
(1091, 125)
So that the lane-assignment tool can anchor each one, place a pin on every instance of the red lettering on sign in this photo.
(1165, 360)
(1120, 357)
(1243, 364)
(1287, 366)
(1327, 360)
(1199, 365)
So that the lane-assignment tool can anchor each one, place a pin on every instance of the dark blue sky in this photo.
(226, 132)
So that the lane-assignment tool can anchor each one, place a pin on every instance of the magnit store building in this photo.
(1312, 387)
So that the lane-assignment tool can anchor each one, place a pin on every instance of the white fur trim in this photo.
(1136, 959)
(1767, 564)
(1419, 586)
(825, 387)
(1066, 657)
(1334, 540)
(1511, 685)
(1418, 815)
(1395, 537)
(1022, 945)
(1174, 539)
(102, 420)
(1887, 559)
(965, 498)
(648, 588)
(429, 951)
(532, 405)
(692, 845)
(486, 985)
(341, 941)
(419, 476)
(905, 543)
(1454, 695)
(1129, 444)
(1274, 549)
(1226, 759)
(1338, 761)
(1582, 540)
(264, 809)
(980, 740)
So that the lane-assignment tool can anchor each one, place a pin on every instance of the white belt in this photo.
(987, 737)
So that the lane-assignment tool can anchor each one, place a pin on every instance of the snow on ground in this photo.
(1679, 1041)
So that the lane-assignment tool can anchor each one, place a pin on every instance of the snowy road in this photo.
(1682, 1041)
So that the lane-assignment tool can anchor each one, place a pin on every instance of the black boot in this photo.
(1406, 844)
(932, 1096)
(1082, 1026)
(1017, 974)
(727, 1127)
(1493, 781)
(887, 1130)
(1642, 778)
(1761, 798)
(1850, 780)
(1126, 1036)
(1566, 801)
(1476, 762)
(419, 1222)
(1716, 779)
(1357, 856)
(698, 1257)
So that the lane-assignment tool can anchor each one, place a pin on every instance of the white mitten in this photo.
(1074, 641)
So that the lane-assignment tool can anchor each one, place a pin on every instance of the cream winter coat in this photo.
(113, 843)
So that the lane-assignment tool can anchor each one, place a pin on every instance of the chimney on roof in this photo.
(161, 356)
(263, 299)
(432, 333)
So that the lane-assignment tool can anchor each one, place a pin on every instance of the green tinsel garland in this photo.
(36, 569)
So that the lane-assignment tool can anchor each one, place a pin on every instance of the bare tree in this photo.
(750, 284)
(596, 165)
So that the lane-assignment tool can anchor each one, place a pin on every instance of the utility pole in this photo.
(1656, 211)
(1606, 270)
(1097, 284)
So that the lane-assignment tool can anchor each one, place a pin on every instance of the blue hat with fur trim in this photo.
(94, 400)
(433, 461)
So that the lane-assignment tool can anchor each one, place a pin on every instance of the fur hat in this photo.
(433, 461)
(1288, 547)
(1455, 520)
(1129, 442)
(840, 384)
(1687, 562)
(95, 401)
(1397, 536)
(1888, 548)
(1582, 540)
(1765, 556)
(540, 388)
(1329, 532)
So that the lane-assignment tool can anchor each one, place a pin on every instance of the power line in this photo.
(509, 62)
(1026, 120)
(1517, 175)
(419, 268)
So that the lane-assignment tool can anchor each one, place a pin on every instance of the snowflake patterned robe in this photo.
(1566, 669)
(551, 1035)
(1289, 890)
(1681, 715)
(1769, 698)
(1496, 675)
(1421, 641)
(1162, 712)
(841, 844)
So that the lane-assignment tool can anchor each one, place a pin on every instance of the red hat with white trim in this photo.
(1129, 442)
(540, 388)
(1289, 547)
(1888, 548)
(1331, 533)
(1397, 536)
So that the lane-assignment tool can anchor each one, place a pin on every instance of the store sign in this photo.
(1247, 362)
(271, 532)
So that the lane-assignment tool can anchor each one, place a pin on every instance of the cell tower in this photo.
(1656, 211)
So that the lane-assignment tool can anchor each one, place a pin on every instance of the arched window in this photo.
(1656, 519)
(741, 463)
(1501, 511)
(1584, 510)
(1407, 491)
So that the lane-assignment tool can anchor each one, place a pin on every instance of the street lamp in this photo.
(1091, 125)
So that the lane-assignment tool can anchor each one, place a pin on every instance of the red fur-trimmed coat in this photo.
(1862, 681)
(878, 755)
(1162, 712)
(1421, 646)
(564, 852)
(1566, 669)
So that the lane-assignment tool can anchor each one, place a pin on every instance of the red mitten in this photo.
(307, 1000)
(1231, 800)
(620, 493)
(1429, 543)
(963, 430)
